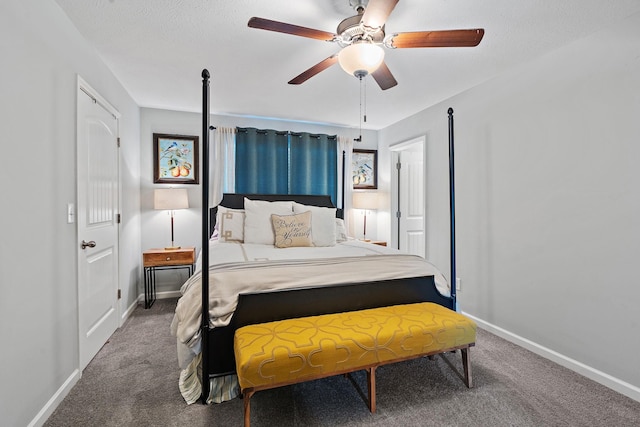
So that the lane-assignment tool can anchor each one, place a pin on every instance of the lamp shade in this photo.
(360, 59)
(170, 199)
(365, 200)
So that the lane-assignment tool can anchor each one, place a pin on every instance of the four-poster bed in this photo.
(413, 282)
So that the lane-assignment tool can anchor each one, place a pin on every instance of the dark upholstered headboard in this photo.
(236, 201)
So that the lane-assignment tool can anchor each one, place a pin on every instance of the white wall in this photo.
(156, 229)
(42, 54)
(548, 201)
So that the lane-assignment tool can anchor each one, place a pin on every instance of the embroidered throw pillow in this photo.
(231, 224)
(292, 230)
(341, 231)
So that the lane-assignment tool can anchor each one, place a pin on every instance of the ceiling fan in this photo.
(362, 37)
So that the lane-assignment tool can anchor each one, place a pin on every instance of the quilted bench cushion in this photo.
(293, 350)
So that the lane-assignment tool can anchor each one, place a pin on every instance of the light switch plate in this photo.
(71, 213)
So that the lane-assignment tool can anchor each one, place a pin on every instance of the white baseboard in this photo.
(168, 294)
(162, 295)
(129, 311)
(55, 400)
(607, 380)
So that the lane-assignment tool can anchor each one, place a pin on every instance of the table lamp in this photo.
(171, 199)
(367, 201)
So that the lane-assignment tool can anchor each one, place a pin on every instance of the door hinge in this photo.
(119, 293)
(398, 214)
(118, 142)
(118, 219)
(398, 165)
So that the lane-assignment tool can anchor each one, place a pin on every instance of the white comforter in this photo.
(239, 268)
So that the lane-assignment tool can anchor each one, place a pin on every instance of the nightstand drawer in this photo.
(160, 257)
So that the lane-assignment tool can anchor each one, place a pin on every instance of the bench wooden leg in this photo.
(466, 363)
(247, 408)
(371, 383)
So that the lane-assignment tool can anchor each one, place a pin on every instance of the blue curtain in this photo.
(271, 162)
(262, 161)
(313, 165)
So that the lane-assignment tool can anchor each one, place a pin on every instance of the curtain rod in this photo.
(286, 132)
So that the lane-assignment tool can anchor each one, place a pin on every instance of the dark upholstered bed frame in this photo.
(217, 343)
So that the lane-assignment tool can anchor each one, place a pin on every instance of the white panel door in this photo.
(97, 152)
(411, 235)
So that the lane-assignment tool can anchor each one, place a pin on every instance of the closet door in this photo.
(98, 183)
(409, 196)
(412, 203)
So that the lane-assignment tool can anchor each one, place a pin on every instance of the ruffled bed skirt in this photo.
(221, 388)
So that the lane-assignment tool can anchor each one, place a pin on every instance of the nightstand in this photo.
(378, 242)
(164, 259)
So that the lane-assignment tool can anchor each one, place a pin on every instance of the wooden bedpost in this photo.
(204, 325)
(452, 206)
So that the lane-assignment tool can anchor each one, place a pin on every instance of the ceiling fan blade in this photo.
(320, 66)
(296, 30)
(377, 12)
(446, 38)
(383, 77)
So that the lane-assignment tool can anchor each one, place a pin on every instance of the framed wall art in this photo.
(365, 169)
(175, 159)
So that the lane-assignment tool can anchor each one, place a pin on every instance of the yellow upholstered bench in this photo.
(290, 351)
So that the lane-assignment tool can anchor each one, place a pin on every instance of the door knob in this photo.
(90, 244)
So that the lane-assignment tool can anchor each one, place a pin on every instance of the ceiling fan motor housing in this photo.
(350, 31)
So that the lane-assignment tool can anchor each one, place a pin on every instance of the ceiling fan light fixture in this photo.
(360, 59)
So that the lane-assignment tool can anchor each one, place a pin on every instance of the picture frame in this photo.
(175, 159)
(364, 167)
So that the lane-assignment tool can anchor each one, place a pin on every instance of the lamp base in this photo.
(171, 248)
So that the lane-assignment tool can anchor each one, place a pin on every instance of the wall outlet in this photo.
(458, 284)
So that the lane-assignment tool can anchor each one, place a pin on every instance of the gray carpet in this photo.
(133, 380)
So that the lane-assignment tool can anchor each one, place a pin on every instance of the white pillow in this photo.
(341, 231)
(230, 224)
(323, 223)
(257, 222)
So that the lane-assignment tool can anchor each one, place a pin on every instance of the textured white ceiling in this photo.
(158, 48)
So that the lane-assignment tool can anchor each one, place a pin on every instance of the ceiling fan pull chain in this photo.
(365, 101)
(360, 78)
